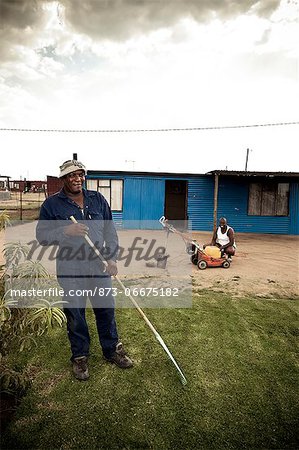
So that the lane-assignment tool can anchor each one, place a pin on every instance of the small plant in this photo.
(20, 326)
(13, 382)
(14, 252)
(4, 220)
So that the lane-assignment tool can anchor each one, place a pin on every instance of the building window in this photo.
(92, 185)
(112, 190)
(268, 199)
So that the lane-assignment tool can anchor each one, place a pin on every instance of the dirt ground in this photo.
(264, 265)
(31, 203)
(28, 199)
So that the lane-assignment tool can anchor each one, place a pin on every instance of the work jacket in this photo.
(74, 256)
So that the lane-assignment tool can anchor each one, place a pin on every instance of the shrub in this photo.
(20, 325)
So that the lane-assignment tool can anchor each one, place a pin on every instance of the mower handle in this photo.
(165, 224)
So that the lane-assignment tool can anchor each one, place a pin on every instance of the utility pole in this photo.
(216, 185)
(246, 163)
(21, 204)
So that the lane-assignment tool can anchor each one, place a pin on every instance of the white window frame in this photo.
(104, 186)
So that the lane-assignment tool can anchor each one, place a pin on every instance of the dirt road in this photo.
(264, 265)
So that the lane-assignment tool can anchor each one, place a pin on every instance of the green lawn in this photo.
(239, 357)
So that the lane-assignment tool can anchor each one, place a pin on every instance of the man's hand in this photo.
(112, 267)
(76, 229)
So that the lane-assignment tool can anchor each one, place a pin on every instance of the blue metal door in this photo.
(143, 203)
(132, 203)
(152, 204)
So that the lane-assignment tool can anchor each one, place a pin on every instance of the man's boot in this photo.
(120, 358)
(80, 368)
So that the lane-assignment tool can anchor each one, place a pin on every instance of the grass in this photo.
(238, 355)
(27, 214)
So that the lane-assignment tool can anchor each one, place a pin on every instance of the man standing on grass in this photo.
(79, 271)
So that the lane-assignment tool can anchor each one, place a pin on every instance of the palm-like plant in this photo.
(14, 252)
(4, 220)
(21, 326)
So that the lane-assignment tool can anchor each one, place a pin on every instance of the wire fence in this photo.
(23, 205)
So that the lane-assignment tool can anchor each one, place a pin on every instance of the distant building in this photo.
(54, 184)
(27, 186)
(4, 182)
(255, 202)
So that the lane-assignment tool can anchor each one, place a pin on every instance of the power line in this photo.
(149, 130)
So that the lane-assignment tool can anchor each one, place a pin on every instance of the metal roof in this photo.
(131, 172)
(252, 174)
(181, 175)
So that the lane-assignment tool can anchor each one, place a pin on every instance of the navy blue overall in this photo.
(79, 270)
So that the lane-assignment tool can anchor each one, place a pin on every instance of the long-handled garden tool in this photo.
(155, 332)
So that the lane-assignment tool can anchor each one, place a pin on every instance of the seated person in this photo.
(224, 238)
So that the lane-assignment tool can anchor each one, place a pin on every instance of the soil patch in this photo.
(264, 265)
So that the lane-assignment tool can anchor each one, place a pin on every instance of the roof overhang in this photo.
(244, 173)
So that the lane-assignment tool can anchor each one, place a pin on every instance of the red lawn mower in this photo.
(202, 258)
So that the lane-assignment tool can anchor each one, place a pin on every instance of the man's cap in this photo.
(71, 166)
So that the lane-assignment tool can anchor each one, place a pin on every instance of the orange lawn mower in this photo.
(210, 256)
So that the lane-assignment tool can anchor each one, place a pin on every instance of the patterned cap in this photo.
(71, 166)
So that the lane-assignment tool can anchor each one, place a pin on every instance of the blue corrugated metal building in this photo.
(255, 202)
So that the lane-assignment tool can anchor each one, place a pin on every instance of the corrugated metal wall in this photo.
(144, 198)
(233, 204)
(153, 200)
(201, 203)
(54, 184)
(117, 218)
(132, 201)
(294, 209)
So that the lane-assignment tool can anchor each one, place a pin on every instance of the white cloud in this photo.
(184, 70)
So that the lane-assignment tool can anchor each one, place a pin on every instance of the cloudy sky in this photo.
(148, 64)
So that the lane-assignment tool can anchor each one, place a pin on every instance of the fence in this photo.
(23, 206)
